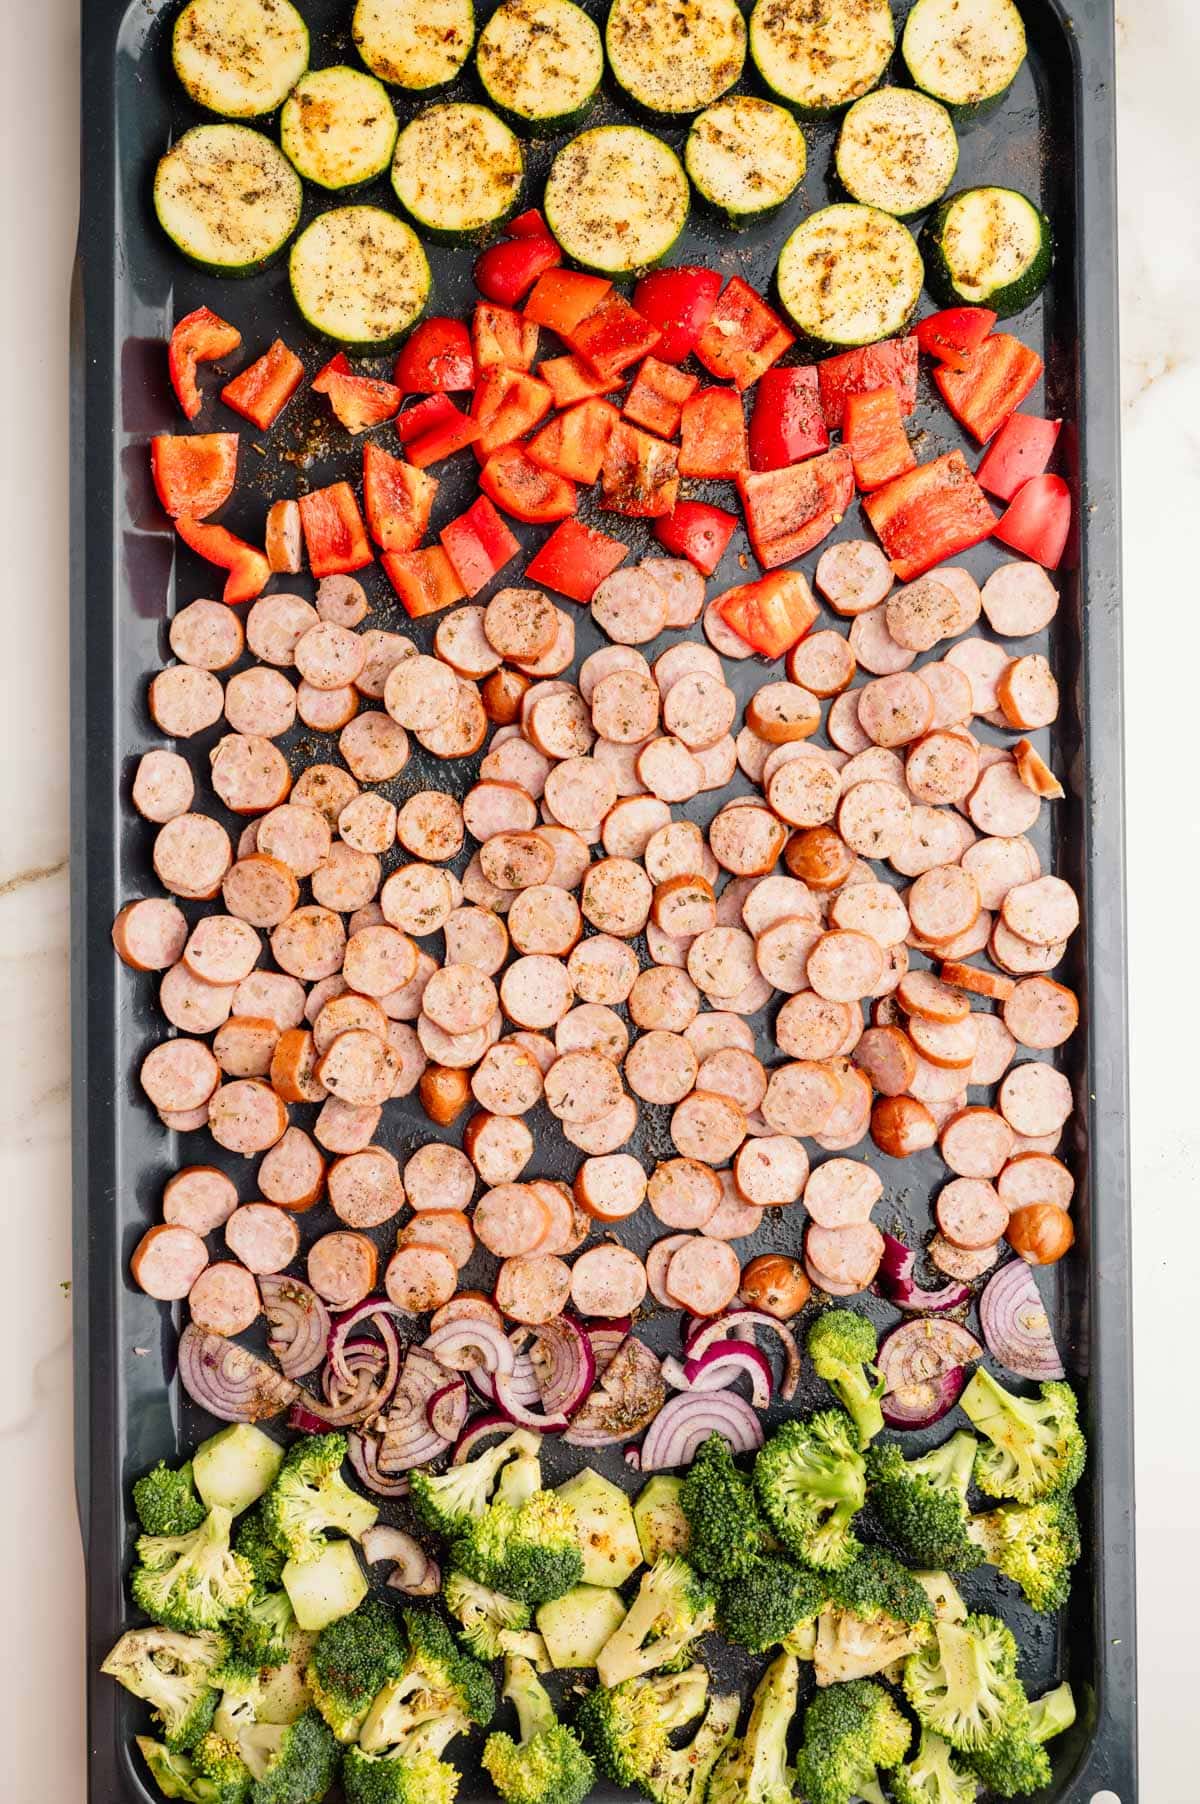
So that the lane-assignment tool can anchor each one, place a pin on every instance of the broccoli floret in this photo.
(351, 1661)
(214, 1773)
(528, 1550)
(879, 1613)
(963, 1683)
(754, 1769)
(1036, 1446)
(291, 1763)
(1034, 1544)
(1052, 1713)
(166, 1500)
(727, 1532)
(922, 1503)
(842, 1346)
(193, 1581)
(176, 1674)
(398, 1777)
(262, 1627)
(254, 1542)
(310, 1497)
(628, 1727)
(435, 1679)
(483, 1615)
(851, 1732)
(673, 1606)
(773, 1604)
(1015, 1762)
(810, 1482)
(933, 1776)
(447, 1501)
(548, 1764)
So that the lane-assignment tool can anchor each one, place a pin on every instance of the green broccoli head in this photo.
(398, 1777)
(851, 1732)
(727, 1532)
(810, 1482)
(193, 1581)
(754, 1769)
(214, 1773)
(527, 1550)
(548, 1764)
(351, 1661)
(922, 1503)
(775, 1603)
(628, 1726)
(1036, 1444)
(842, 1346)
(879, 1613)
(448, 1501)
(310, 1497)
(166, 1500)
(261, 1628)
(673, 1606)
(436, 1681)
(485, 1616)
(256, 1545)
(875, 1585)
(291, 1763)
(1034, 1544)
(963, 1683)
(175, 1674)
(1015, 1762)
(933, 1776)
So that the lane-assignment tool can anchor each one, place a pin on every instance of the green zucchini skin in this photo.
(745, 157)
(616, 199)
(817, 60)
(965, 53)
(458, 171)
(239, 58)
(227, 198)
(1004, 291)
(418, 47)
(675, 57)
(897, 150)
(849, 275)
(338, 127)
(360, 277)
(541, 64)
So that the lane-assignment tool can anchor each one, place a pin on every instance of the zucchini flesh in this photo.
(359, 275)
(338, 128)
(897, 150)
(676, 56)
(239, 58)
(818, 57)
(849, 275)
(989, 247)
(616, 199)
(227, 197)
(964, 52)
(745, 156)
(540, 61)
(457, 169)
(414, 44)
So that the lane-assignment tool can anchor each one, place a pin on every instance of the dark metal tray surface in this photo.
(1053, 138)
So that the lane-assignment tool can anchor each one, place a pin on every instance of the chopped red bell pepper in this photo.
(478, 545)
(572, 445)
(656, 399)
(334, 535)
(575, 560)
(262, 391)
(787, 423)
(993, 385)
(528, 224)
(436, 358)
(613, 336)
(450, 431)
(790, 511)
(892, 364)
(506, 272)
(199, 337)
(698, 532)
(562, 297)
(873, 433)
(522, 489)
(743, 337)
(397, 499)
(640, 474)
(679, 302)
(249, 571)
(930, 514)
(1037, 522)
(424, 580)
(952, 335)
(436, 410)
(358, 402)
(194, 473)
(772, 614)
(1022, 448)
(501, 336)
(572, 380)
(713, 439)
(338, 365)
(505, 406)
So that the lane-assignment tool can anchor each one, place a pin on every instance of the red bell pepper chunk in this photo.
(1022, 448)
(506, 272)
(575, 560)
(436, 358)
(525, 491)
(424, 580)
(698, 532)
(772, 614)
(873, 433)
(194, 473)
(892, 364)
(787, 423)
(1037, 522)
(397, 499)
(930, 514)
(562, 297)
(656, 399)
(613, 337)
(437, 410)
(501, 336)
(713, 438)
(360, 402)
(743, 337)
(334, 535)
(448, 433)
(953, 334)
(199, 337)
(573, 444)
(993, 385)
(679, 302)
(790, 511)
(249, 571)
(640, 474)
(506, 405)
(571, 380)
(338, 365)
(528, 224)
(261, 392)
(478, 545)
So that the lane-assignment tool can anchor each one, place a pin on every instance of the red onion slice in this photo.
(522, 1382)
(564, 1366)
(408, 1440)
(923, 1364)
(605, 1343)
(428, 1586)
(361, 1390)
(687, 1420)
(897, 1283)
(1015, 1324)
(228, 1381)
(376, 1312)
(447, 1409)
(299, 1322)
(305, 1421)
(408, 1558)
(465, 1344)
(723, 1361)
(508, 1396)
(477, 1431)
(741, 1324)
(626, 1400)
(362, 1451)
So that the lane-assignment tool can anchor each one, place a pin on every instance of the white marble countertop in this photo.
(41, 1578)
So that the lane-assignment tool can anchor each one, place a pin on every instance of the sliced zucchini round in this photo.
(964, 52)
(897, 150)
(338, 127)
(240, 58)
(359, 275)
(457, 170)
(616, 199)
(820, 57)
(745, 157)
(414, 46)
(849, 275)
(990, 247)
(227, 197)
(540, 62)
(675, 56)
